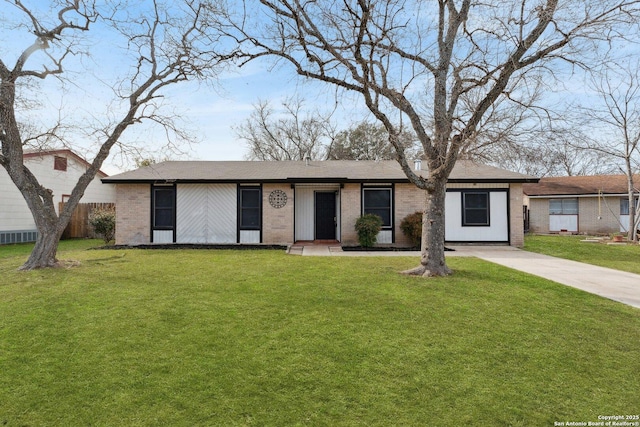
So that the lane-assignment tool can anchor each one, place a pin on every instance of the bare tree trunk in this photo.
(432, 261)
(631, 231)
(44, 252)
(50, 228)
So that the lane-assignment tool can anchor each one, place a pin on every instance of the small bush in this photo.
(368, 226)
(103, 222)
(411, 227)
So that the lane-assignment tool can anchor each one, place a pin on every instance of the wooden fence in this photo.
(79, 226)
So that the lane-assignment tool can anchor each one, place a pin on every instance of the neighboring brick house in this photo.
(227, 202)
(596, 204)
(57, 170)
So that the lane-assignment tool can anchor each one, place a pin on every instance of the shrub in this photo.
(368, 226)
(103, 222)
(411, 227)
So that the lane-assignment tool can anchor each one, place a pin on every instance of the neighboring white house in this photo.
(57, 170)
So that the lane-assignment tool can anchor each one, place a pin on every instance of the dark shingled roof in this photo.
(579, 185)
(299, 171)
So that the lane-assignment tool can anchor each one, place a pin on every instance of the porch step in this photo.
(311, 249)
(295, 250)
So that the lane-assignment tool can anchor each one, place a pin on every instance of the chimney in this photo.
(417, 164)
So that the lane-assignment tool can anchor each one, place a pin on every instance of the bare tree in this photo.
(533, 135)
(290, 135)
(368, 141)
(167, 46)
(542, 152)
(615, 125)
(438, 66)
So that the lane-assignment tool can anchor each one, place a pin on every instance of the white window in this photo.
(563, 206)
(624, 205)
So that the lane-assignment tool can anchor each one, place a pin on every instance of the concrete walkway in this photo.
(613, 284)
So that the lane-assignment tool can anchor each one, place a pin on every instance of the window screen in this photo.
(163, 208)
(563, 206)
(624, 205)
(377, 201)
(250, 203)
(475, 208)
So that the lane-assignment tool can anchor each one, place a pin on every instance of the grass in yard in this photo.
(24, 249)
(186, 337)
(619, 257)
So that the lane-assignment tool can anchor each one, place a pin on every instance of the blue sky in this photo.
(210, 111)
(215, 112)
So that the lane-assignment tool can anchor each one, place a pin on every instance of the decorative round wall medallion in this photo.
(278, 199)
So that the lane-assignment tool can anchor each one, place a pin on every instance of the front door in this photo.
(325, 215)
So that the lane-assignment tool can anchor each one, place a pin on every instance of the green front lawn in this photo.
(24, 249)
(187, 337)
(619, 257)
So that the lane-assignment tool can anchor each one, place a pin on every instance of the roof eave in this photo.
(306, 180)
(493, 180)
(565, 195)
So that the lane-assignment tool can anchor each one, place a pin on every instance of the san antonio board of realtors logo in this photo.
(278, 199)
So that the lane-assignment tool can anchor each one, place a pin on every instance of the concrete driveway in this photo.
(613, 284)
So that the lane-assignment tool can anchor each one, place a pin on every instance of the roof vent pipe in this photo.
(307, 160)
(417, 164)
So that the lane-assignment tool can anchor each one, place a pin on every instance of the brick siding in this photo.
(516, 225)
(277, 223)
(133, 214)
(349, 212)
(539, 215)
(601, 219)
(408, 199)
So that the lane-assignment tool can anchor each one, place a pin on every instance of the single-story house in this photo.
(249, 202)
(596, 204)
(58, 170)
